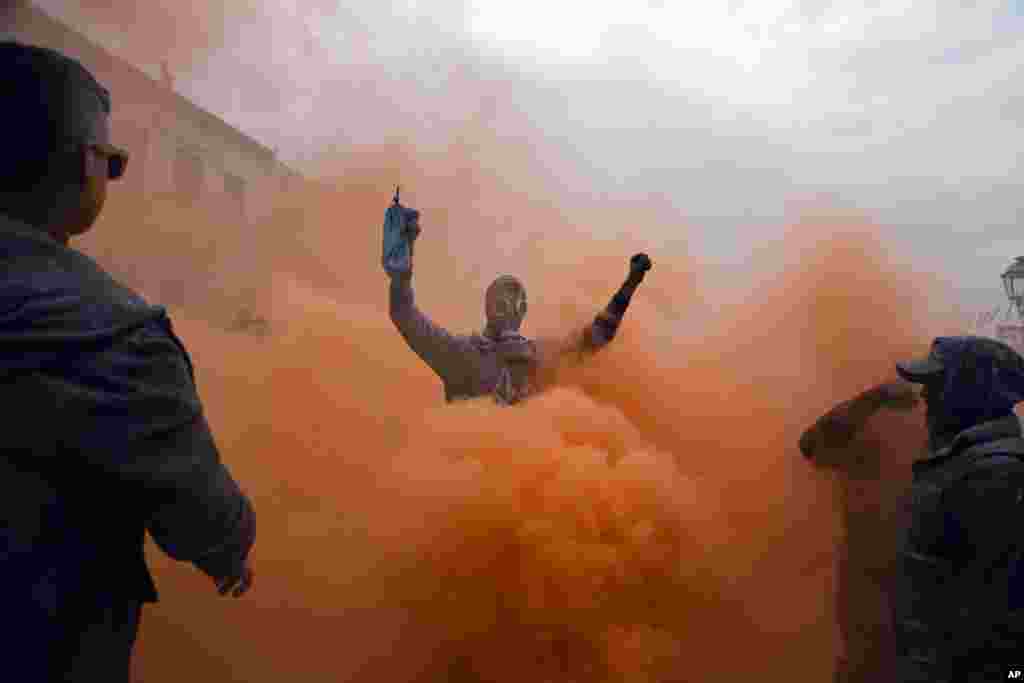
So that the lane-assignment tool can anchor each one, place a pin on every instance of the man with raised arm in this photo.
(500, 361)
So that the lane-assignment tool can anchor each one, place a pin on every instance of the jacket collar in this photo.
(11, 227)
(994, 430)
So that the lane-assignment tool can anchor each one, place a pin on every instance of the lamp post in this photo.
(1013, 283)
(1011, 329)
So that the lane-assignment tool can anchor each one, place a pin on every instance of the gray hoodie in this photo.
(508, 368)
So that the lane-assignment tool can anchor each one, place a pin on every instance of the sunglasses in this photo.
(117, 158)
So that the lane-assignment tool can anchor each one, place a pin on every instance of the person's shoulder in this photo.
(36, 266)
(138, 386)
(98, 283)
(993, 482)
(155, 339)
(148, 370)
(987, 503)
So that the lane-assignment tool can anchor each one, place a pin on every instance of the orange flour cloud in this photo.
(647, 519)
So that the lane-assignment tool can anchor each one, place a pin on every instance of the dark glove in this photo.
(809, 442)
(638, 267)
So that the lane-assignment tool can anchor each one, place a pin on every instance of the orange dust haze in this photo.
(647, 519)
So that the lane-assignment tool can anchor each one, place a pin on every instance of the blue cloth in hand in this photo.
(397, 254)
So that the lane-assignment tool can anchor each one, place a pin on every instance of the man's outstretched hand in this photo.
(638, 266)
(899, 396)
(838, 427)
(237, 584)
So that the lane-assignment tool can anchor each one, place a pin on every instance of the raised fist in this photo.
(639, 265)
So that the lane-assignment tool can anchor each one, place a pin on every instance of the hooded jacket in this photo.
(103, 438)
(959, 603)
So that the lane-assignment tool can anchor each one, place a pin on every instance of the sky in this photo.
(738, 115)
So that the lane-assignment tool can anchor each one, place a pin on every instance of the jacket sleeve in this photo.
(445, 353)
(602, 329)
(142, 424)
(200, 514)
(825, 442)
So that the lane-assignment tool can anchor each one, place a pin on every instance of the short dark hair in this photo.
(51, 100)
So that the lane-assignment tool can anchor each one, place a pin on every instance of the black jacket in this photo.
(103, 438)
(959, 603)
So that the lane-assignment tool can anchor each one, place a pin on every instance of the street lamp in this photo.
(1013, 283)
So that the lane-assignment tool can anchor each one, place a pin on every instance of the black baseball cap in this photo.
(952, 353)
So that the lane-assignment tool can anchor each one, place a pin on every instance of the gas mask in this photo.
(505, 306)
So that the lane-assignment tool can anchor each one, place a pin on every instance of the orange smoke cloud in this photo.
(648, 519)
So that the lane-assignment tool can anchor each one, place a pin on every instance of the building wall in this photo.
(180, 155)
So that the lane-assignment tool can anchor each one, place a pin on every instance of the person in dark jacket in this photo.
(104, 433)
(499, 362)
(958, 601)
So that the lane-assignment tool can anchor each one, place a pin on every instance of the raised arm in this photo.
(438, 348)
(605, 325)
(835, 429)
(444, 352)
